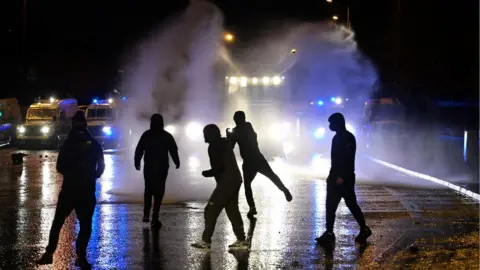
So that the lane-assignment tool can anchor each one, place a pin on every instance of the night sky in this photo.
(77, 47)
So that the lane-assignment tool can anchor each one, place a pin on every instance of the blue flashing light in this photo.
(107, 130)
(95, 100)
(333, 99)
(320, 103)
(124, 98)
(319, 133)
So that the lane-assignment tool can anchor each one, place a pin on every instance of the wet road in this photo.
(439, 222)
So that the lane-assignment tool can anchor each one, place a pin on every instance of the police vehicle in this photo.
(103, 121)
(10, 118)
(47, 123)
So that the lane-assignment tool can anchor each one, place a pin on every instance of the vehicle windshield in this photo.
(101, 113)
(41, 113)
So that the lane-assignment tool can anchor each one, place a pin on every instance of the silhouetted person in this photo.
(81, 162)
(341, 181)
(154, 146)
(253, 160)
(229, 181)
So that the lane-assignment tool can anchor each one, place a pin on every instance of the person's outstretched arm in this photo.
(217, 162)
(139, 151)
(173, 150)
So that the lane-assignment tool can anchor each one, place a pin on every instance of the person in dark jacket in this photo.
(154, 146)
(81, 162)
(253, 160)
(341, 181)
(225, 170)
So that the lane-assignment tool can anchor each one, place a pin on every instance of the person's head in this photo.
(79, 122)
(239, 117)
(337, 122)
(156, 122)
(211, 133)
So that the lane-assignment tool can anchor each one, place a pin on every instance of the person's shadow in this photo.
(153, 257)
(242, 256)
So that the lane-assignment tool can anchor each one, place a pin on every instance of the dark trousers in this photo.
(154, 188)
(224, 196)
(84, 206)
(335, 193)
(250, 169)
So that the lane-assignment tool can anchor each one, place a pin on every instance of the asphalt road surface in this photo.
(415, 225)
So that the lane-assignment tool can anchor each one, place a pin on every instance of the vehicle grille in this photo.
(96, 130)
(33, 131)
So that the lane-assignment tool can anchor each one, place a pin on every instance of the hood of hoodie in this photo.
(79, 135)
(156, 123)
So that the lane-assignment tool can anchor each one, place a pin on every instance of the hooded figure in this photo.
(253, 160)
(341, 181)
(81, 162)
(154, 146)
(225, 170)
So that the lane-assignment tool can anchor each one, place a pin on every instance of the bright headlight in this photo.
(338, 101)
(243, 81)
(233, 80)
(107, 130)
(276, 80)
(279, 131)
(350, 128)
(170, 129)
(194, 131)
(21, 129)
(45, 129)
(319, 133)
(266, 80)
(288, 148)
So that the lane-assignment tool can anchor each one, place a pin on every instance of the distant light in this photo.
(276, 80)
(110, 100)
(193, 162)
(124, 98)
(329, 1)
(194, 131)
(311, 103)
(107, 130)
(332, 99)
(338, 101)
(233, 80)
(319, 133)
(335, 18)
(254, 80)
(293, 51)
(228, 37)
(243, 81)
(170, 129)
(350, 128)
(288, 148)
(266, 80)
(52, 99)
(320, 103)
(95, 100)
(21, 129)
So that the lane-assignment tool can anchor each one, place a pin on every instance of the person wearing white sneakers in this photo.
(225, 170)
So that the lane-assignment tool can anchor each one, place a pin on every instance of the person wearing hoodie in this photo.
(154, 146)
(253, 160)
(225, 170)
(81, 162)
(341, 181)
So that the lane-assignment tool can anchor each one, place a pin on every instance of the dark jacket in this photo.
(223, 163)
(246, 138)
(155, 144)
(344, 147)
(81, 162)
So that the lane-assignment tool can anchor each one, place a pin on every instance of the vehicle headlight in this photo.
(194, 131)
(279, 131)
(45, 129)
(21, 129)
(170, 129)
(319, 133)
(107, 130)
(350, 128)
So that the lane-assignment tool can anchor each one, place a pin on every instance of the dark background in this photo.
(420, 47)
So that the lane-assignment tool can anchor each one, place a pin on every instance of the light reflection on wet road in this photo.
(282, 235)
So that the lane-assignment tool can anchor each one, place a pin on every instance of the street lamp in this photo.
(348, 14)
(228, 37)
(335, 18)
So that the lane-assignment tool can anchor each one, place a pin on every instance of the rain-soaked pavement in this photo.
(412, 228)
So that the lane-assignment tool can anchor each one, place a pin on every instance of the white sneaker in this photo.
(239, 245)
(201, 245)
